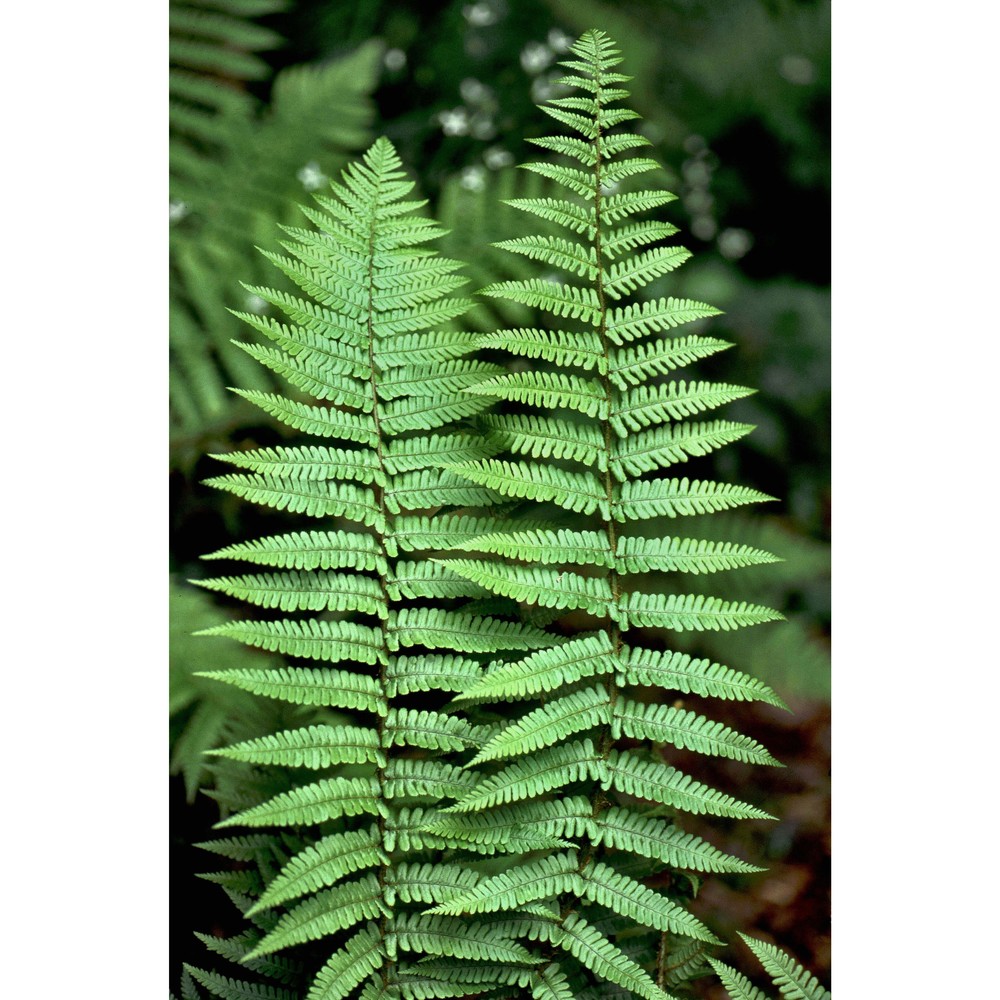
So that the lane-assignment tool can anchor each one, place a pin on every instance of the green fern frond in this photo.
(323, 800)
(234, 989)
(658, 840)
(321, 687)
(654, 781)
(629, 898)
(315, 747)
(323, 864)
(686, 730)
(545, 670)
(621, 421)
(792, 980)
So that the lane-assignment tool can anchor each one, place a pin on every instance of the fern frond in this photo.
(548, 389)
(545, 670)
(323, 864)
(524, 884)
(737, 985)
(646, 405)
(546, 587)
(544, 546)
(575, 491)
(315, 639)
(323, 800)
(642, 499)
(318, 686)
(234, 989)
(462, 632)
(315, 747)
(687, 730)
(309, 550)
(660, 447)
(325, 913)
(629, 898)
(594, 951)
(585, 351)
(628, 323)
(683, 612)
(654, 838)
(655, 781)
(544, 726)
(546, 770)
(349, 966)
(438, 935)
(569, 301)
(792, 980)
(303, 591)
(683, 672)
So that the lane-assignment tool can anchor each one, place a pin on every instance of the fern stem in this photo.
(388, 967)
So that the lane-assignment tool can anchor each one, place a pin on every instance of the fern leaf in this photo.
(573, 491)
(321, 865)
(643, 499)
(406, 777)
(539, 436)
(545, 587)
(655, 781)
(546, 770)
(411, 454)
(548, 546)
(462, 632)
(524, 884)
(347, 969)
(555, 251)
(687, 731)
(548, 389)
(545, 670)
(319, 686)
(654, 838)
(629, 898)
(308, 462)
(791, 979)
(547, 725)
(314, 639)
(684, 612)
(582, 350)
(435, 672)
(309, 550)
(430, 882)
(303, 591)
(570, 301)
(330, 798)
(319, 420)
(550, 983)
(625, 238)
(436, 935)
(646, 405)
(686, 555)
(628, 323)
(661, 447)
(737, 985)
(233, 989)
(594, 951)
(635, 364)
(302, 496)
(637, 272)
(325, 913)
(430, 730)
(683, 672)
(315, 747)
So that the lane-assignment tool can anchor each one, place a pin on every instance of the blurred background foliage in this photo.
(268, 98)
